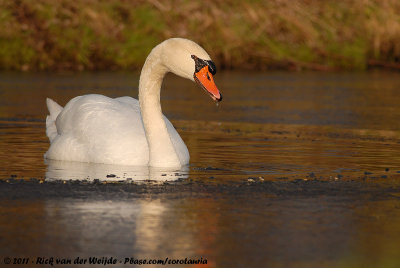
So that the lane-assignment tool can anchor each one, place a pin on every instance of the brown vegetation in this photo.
(118, 34)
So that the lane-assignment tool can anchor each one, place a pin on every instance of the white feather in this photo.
(99, 129)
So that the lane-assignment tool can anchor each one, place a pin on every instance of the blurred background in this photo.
(276, 34)
(292, 169)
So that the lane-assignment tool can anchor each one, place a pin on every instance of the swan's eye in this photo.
(200, 64)
(211, 67)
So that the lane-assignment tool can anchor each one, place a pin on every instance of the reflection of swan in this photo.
(118, 227)
(95, 128)
(71, 170)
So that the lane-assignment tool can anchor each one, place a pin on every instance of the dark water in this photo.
(291, 169)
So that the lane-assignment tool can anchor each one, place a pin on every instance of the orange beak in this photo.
(206, 81)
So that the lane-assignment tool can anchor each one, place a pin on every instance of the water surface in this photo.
(297, 169)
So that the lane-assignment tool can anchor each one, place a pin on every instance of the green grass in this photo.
(116, 34)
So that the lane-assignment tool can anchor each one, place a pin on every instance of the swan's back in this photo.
(95, 128)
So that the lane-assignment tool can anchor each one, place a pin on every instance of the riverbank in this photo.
(118, 35)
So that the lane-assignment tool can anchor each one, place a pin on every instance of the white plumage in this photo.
(95, 128)
(99, 129)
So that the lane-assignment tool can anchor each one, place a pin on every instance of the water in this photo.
(297, 169)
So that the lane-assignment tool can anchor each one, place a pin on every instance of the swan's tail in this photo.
(54, 110)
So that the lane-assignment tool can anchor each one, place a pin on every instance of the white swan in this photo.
(125, 131)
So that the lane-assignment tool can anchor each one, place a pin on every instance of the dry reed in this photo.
(117, 34)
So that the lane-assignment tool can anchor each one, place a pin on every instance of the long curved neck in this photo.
(161, 150)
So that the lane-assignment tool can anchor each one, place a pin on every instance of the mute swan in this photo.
(125, 131)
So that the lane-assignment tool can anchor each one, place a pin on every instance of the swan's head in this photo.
(188, 60)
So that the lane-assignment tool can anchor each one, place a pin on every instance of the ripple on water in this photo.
(222, 151)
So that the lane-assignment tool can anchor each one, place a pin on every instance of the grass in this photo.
(118, 34)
